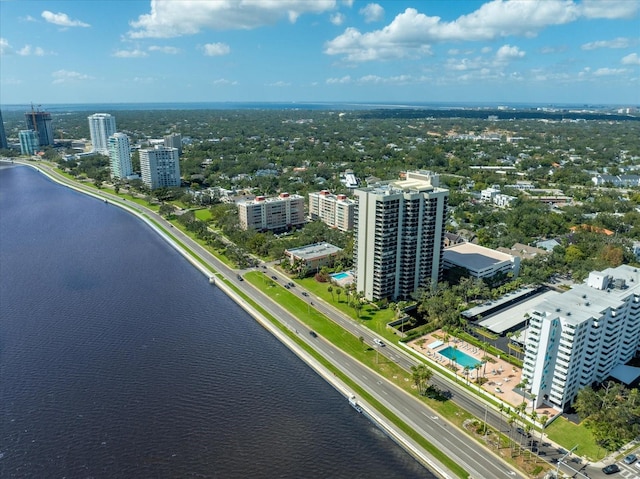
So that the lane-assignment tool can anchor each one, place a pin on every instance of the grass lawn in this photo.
(203, 215)
(569, 434)
(372, 317)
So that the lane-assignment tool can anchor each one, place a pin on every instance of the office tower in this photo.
(3, 135)
(336, 211)
(399, 231)
(119, 155)
(275, 214)
(40, 122)
(582, 336)
(101, 127)
(174, 140)
(29, 142)
(160, 167)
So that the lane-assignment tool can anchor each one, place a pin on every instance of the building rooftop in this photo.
(473, 256)
(316, 250)
(583, 302)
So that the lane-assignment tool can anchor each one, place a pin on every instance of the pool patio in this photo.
(502, 377)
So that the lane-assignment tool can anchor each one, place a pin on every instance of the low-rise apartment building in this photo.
(280, 213)
(336, 211)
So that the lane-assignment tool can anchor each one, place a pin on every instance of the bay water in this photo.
(119, 360)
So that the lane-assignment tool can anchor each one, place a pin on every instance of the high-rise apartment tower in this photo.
(119, 155)
(399, 231)
(160, 167)
(101, 127)
(3, 135)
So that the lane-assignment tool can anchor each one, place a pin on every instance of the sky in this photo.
(423, 51)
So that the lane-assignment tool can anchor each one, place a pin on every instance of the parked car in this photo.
(630, 459)
(611, 469)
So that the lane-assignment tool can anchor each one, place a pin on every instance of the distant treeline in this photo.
(405, 113)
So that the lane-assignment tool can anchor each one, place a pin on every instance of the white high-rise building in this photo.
(101, 127)
(399, 231)
(119, 155)
(160, 167)
(583, 336)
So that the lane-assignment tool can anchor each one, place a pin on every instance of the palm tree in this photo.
(477, 367)
(465, 371)
(511, 420)
(338, 292)
(421, 377)
(330, 289)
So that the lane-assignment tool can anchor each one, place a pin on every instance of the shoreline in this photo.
(390, 429)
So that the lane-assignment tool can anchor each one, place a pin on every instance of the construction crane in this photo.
(33, 117)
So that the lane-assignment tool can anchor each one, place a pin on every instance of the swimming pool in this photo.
(461, 358)
(340, 276)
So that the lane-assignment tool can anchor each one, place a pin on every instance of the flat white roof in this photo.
(313, 251)
(511, 317)
(474, 257)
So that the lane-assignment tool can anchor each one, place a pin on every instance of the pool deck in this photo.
(502, 377)
(343, 281)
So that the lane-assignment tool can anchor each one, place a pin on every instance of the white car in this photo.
(378, 342)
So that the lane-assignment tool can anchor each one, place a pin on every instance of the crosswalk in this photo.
(629, 472)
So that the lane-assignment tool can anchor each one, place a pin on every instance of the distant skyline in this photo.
(499, 51)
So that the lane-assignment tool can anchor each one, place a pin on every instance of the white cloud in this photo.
(29, 50)
(224, 81)
(337, 18)
(173, 18)
(166, 49)
(631, 59)
(279, 84)
(609, 9)
(608, 71)
(411, 33)
(372, 13)
(136, 53)
(62, 19)
(507, 53)
(619, 42)
(62, 76)
(5, 48)
(144, 80)
(336, 81)
(216, 49)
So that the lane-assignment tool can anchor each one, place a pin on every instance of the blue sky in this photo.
(499, 51)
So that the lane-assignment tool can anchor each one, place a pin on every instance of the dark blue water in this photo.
(119, 360)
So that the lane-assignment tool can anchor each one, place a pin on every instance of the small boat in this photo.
(354, 404)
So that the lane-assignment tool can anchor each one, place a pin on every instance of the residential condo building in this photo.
(3, 134)
(101, 127)
(399, 231)
(272, 214)
(336, 211)
(119, 155)
(29, 142)
(583, 336)
(174, 140)
(160, 167)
